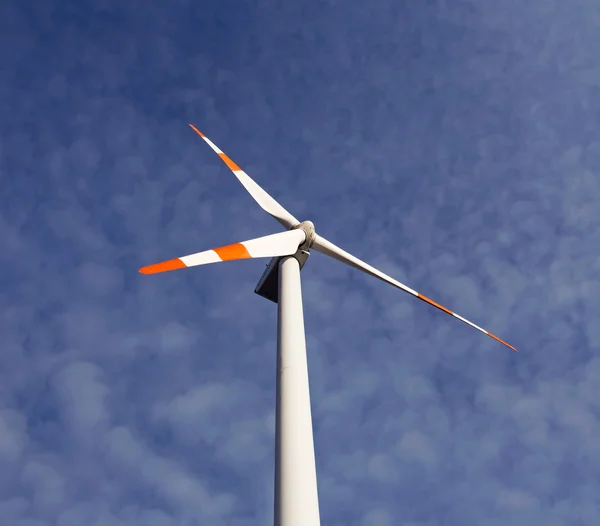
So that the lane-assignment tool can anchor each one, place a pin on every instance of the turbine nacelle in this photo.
(268, 284)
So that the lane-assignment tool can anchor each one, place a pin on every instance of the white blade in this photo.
(265, 201)
(326, 247)
(281, 244)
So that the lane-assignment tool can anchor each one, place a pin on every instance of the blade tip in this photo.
(149, 269)
(502, 341)
(165, 266)
(197, 130)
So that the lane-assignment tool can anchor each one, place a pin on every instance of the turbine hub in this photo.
(309, 229)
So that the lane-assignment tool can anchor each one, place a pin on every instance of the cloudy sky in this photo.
(453, 144)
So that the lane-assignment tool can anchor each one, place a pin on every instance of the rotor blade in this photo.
(265, 201)
(281, 244)
(320, 244)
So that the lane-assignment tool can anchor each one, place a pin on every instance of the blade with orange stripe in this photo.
(281, 244)
(321, 244)
(264, 200)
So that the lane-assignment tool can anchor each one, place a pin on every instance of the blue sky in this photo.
(454, 145)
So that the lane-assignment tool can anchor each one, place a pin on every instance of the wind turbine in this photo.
(296, 499)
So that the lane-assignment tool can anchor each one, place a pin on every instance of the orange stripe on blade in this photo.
(231, 252)
(501, 341)
(431, 302)
(165, 266)
(197, 130)
(230, 164)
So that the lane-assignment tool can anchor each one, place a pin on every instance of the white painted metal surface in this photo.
(296, 497)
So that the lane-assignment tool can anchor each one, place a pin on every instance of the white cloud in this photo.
(13, 436)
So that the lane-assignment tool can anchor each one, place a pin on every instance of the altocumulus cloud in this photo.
(454, 145)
